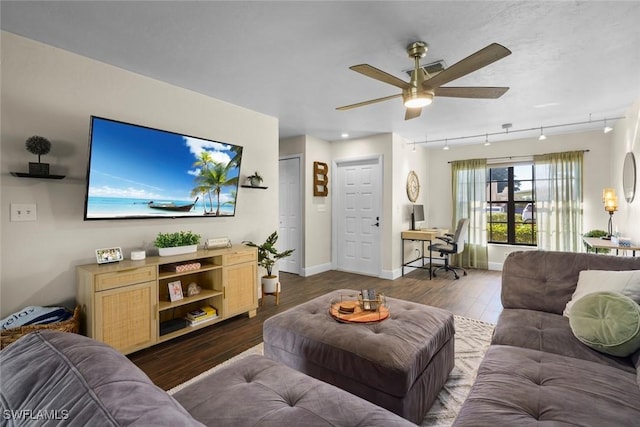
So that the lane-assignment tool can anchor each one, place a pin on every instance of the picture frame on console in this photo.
(175, 291)
(109, 255)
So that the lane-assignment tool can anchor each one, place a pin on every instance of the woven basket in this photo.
(8, 336)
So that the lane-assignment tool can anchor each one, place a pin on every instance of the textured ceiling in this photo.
(290, 59)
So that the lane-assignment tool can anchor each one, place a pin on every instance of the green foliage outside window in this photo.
(498, 229)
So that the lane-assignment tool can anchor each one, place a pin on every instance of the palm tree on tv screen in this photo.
(203, 162)
(232, 200)
(214, 179)
(235, 161)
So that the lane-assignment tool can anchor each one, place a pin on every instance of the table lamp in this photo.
(610, 205)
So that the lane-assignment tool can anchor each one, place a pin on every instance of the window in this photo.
(511, 214)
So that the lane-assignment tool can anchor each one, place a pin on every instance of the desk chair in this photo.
(453, 244)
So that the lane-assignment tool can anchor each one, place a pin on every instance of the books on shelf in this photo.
(202, 320)
(201, 315)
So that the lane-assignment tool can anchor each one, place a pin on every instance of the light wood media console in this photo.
(124, 304)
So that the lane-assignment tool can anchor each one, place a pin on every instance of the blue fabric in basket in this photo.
(35, 315)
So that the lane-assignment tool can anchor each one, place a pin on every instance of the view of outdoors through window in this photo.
(511, 214)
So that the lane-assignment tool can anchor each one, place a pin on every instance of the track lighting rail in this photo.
(486, 136)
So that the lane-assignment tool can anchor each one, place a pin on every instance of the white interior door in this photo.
(358, 216)
(290, 214)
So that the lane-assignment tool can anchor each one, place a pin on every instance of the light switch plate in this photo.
(23, 212)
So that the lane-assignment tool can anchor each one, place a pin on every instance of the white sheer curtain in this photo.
(558, 189)
(469, 180)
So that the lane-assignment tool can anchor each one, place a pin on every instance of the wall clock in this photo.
(413, 186)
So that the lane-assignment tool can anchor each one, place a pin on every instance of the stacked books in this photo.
(201, 315)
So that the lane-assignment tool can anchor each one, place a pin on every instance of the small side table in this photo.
(275, 294)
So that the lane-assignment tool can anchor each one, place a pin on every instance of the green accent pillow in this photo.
(608, 322)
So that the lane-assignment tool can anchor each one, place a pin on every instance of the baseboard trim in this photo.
(390, 274)
(316, 269)
(495, 266)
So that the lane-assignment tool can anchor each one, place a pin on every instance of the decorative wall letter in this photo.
(320, 179)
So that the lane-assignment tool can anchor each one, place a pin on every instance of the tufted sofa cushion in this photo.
(258, 391)
(517, 386)
(549, 332)
(79, 381)
(546, 280)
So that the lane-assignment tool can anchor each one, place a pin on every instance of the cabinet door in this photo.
(125, 317)
(240, 289)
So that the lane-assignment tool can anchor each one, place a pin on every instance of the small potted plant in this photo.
(180, 242)
(268, 255)
(38, 145)
(255, 179)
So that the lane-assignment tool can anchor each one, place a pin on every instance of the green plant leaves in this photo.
(179, 238)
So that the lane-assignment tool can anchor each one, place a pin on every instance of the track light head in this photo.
(542, 136)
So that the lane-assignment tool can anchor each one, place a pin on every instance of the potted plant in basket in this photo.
(180, 242)
(268, 255)
(255, 179)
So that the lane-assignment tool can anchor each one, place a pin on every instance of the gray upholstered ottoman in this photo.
(400, 363)
(257, 391)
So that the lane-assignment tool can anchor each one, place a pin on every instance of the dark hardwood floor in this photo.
(476, 295)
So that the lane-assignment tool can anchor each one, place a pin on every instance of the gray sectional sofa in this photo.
(536, 372)
(54, 378)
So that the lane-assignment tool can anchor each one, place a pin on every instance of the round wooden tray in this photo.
(359, 315)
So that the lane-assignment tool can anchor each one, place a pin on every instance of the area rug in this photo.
(472, 340)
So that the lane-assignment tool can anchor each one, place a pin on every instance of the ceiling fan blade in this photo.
(471, 63)
(371, 101)
(412, 113)
(471, 92)
(380, 75)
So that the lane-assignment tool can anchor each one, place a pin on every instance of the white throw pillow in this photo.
(626, 282)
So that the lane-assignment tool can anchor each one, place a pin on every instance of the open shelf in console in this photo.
(165, 271)
(204, 294)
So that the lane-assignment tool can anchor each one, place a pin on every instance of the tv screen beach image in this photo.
(140, 172)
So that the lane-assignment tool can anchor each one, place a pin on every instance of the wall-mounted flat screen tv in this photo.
(140, 172)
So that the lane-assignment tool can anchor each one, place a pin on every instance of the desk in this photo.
(425, 235)
(596, 243)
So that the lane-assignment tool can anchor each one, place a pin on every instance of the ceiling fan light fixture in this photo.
(417, 100)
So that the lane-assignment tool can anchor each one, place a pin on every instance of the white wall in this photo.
(317, 216)
(405, 159)
(316, 211)
(596, 166)
(50, 92)
(626, 138)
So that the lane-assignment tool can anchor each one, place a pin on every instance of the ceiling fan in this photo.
(420, 90)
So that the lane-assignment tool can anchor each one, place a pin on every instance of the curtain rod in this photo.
(518, 157)
(507, 131)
